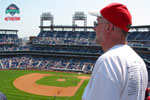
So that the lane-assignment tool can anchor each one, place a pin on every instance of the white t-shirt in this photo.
(119, 74)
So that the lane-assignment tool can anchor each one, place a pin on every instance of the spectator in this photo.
(120, 73)
(2, 96)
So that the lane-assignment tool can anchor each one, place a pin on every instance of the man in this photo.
(118, 74)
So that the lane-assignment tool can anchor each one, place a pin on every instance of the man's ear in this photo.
(109, 28)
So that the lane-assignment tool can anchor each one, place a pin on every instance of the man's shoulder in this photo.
(108, 54)
(119, 51)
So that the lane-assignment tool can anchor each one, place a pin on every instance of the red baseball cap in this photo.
(117, 14)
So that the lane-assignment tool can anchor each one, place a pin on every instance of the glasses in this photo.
(95, 23)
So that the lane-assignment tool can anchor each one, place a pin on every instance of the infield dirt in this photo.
(27, 83)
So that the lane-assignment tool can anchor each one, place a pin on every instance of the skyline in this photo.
(30, 12)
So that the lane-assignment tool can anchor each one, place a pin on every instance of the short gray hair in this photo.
(122, 31)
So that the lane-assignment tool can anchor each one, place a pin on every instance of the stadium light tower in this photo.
(47, 16)
(79, 16)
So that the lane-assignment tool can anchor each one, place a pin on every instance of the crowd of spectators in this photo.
(62, 49)
(48, 63)
(137, 39)
(14, 48)
(9, 39)
(80, 41)
(139, 36)
(65, 38)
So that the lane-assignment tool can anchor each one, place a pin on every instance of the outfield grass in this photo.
(8, 76)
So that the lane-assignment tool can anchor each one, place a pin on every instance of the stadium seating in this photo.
(66, 43)
(30, 62)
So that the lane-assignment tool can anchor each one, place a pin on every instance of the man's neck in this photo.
(110, 45)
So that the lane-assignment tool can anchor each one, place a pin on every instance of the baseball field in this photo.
(42, 85)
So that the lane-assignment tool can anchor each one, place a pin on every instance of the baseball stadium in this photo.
(57, 63)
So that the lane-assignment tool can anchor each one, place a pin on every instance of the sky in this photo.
(63, 10)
